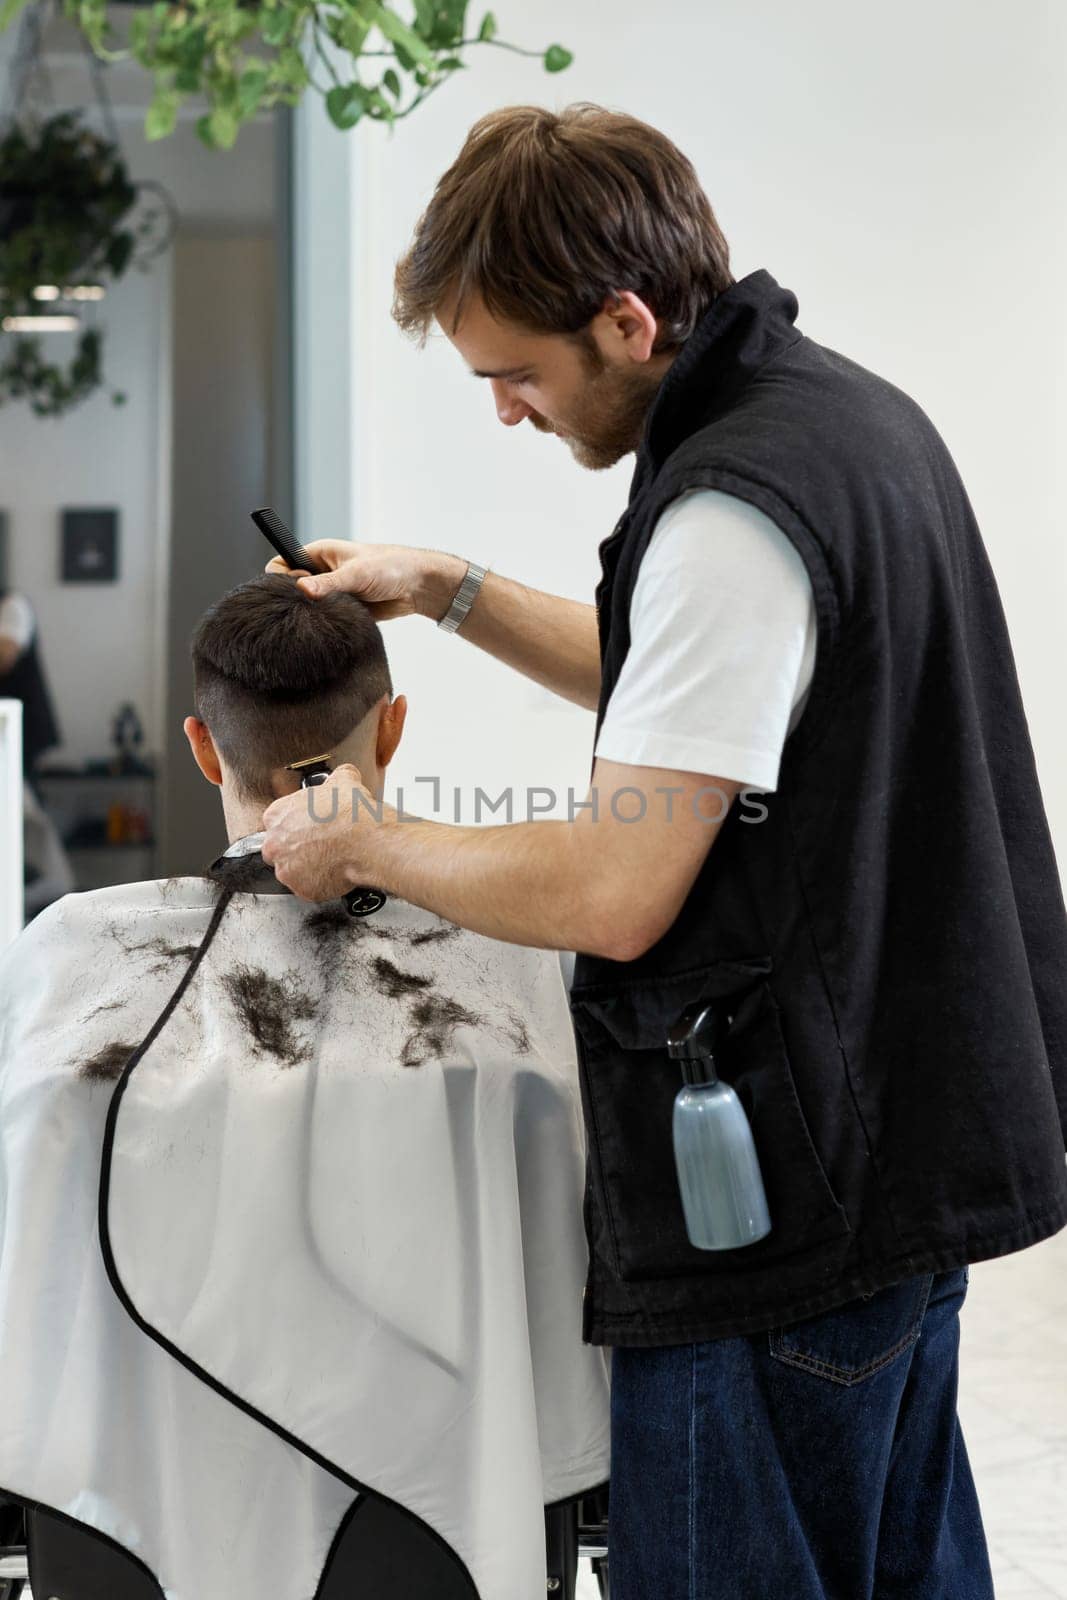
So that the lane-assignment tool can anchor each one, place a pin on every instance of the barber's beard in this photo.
(609, 417)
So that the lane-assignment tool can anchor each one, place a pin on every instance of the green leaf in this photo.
(251, 88)
(441, 23)
(352, 34)
(187, 79)
(391, 82)
(278, 24)
(398, 32)
(450, 64)
(91, 17)
(294, 67)
(204, 133)
(162, 114)
(9, 11)
(193, 46)
(425, 17)
(118, 253)
(488, 28)
(346, 105)
(140, 35)
(224, 126)
(557, 59)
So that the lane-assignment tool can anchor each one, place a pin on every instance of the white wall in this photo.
(899, 168)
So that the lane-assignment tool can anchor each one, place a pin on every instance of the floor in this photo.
(1013, 1404)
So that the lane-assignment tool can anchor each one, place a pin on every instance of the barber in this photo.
(796, 601)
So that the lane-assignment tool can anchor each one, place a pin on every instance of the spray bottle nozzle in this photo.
(695, 1034)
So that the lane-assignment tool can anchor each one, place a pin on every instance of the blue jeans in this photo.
(820, 1461)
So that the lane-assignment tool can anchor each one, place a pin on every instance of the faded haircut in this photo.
(545, 216)
(279, 676)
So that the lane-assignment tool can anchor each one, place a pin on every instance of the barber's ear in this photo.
(625, 328)
(203, 747)
(390, 727)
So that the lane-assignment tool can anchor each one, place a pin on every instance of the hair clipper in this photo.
(314, 770)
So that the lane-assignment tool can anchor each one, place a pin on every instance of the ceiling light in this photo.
(46, 291)
(40, 324)
(85, 291)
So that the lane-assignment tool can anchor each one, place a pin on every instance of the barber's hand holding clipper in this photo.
(317, 839)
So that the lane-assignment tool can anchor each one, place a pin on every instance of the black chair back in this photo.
(380, 1553)
(73, 1562)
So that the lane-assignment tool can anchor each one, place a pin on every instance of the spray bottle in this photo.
(718, 1170)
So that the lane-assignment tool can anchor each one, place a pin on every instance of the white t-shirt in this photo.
(722, 646)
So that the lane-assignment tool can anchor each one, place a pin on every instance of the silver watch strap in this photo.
(464, 597)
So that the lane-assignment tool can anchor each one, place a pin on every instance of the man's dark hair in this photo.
(279, 677)
(546, 216)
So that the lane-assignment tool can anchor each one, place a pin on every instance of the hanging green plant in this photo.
(50, 389)
(67, 230)
(244, 56)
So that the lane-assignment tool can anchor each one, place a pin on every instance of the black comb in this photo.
(274, 530)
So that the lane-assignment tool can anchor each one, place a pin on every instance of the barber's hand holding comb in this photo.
(393, 580)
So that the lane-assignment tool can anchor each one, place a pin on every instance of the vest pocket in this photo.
(629, 1083)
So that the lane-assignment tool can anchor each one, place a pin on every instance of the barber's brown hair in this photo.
(547, 215)
(279, 677)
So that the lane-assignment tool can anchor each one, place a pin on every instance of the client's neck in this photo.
(245, 816)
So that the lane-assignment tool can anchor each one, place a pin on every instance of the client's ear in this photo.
(203, 747)
(390, 727)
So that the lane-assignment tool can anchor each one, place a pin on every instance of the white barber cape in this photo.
(320, 1239)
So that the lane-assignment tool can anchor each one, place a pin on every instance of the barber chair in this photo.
(12, 1550)
(573, 1529)
(380, 1554)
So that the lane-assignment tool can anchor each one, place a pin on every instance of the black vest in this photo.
(889, 941)
(26, 682)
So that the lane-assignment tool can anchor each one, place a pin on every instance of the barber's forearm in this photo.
(544, 636)
(526, 883)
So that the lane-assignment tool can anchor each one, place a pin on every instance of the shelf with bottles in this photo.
(104, 809)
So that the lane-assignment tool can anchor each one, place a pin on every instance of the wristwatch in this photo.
(464, 597)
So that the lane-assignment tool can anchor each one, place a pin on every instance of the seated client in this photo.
(290, 1200)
